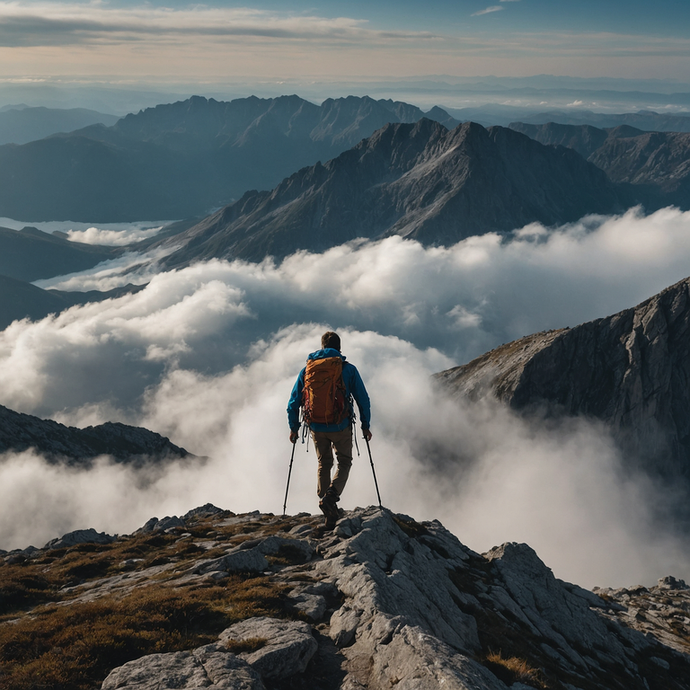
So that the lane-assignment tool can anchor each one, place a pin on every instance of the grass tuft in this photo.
(246, 646)
(512, 670)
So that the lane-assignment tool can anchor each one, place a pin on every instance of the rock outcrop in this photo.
(380, 602)
(630, 370)
(60, 443)
(420, 181)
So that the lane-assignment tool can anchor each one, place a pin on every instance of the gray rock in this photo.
(415, 660)
(245, 561)
(384, 572)
(289, 645)
(162, 525)
(203, 511)
(212, 667)
(313, 606)
(670, 582)
(80, 536)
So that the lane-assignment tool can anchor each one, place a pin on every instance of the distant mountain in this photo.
(20, 300)
(657, 163)
(21, 124)
(646, 120)
(60, 443)
(183, 159)
(629, 370)
(418, 180)
(30, 254)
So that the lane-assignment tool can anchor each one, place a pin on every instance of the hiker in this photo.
(324, 389)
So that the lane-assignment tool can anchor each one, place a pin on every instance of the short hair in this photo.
(330, 339)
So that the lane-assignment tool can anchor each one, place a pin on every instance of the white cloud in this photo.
(207, 356)
(488, 10)
(114, 238)
(44, 23)
(489, 476)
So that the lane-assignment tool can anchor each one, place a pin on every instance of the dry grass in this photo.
(248, 645)
(411, 528)
(513, 670)
(73, 647)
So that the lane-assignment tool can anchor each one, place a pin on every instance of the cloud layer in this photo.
(207, 356)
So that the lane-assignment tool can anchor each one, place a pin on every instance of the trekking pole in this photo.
(287, 488)
(371, 460)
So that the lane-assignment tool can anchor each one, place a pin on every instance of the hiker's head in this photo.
(330, 339)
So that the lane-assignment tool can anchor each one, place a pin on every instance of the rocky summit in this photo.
(260, 602)
(629, 370)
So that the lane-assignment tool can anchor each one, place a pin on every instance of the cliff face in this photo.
(630, 370)
(260, 602)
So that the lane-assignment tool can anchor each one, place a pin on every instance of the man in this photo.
(329, 416)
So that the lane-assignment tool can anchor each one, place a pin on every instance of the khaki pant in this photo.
(324, 442)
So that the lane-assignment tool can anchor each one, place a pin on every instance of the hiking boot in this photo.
(329, 506)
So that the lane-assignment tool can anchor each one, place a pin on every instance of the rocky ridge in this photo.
(184, 159)
(381, 602)
(630, 370)
(420, 180)
(657, 164)
(59, 443)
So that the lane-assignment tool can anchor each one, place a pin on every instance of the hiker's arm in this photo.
(294, 405)
(362, 399)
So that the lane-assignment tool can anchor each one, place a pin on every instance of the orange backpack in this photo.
(323, 396)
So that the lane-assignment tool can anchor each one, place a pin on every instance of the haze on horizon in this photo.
(125, 41)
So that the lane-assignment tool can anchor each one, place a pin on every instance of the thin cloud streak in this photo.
(44, 25)
(488, 10)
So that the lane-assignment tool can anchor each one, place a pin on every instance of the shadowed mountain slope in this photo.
(20, 300)
(183, 159)
(656, 163)
(30, 254)
(60, 443)
(630, 370)
(418, 180)
(20, 125)
(261, 602)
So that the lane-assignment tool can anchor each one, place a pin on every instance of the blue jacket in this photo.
(354, 386)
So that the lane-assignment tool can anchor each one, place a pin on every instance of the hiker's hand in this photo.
(293, 437)
(367, 434)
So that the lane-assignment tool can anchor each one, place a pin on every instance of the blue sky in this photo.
(223, 40)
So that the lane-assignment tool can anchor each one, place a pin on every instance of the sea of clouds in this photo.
(207, 356)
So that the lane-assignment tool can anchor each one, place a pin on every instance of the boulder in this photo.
(212, 667)
(286, 646)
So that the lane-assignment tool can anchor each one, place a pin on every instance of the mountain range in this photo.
(418, 180)
(629, 371)
(646, 120)
(20, 124)
(255, 601)
(657, 164)
(183, 159)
